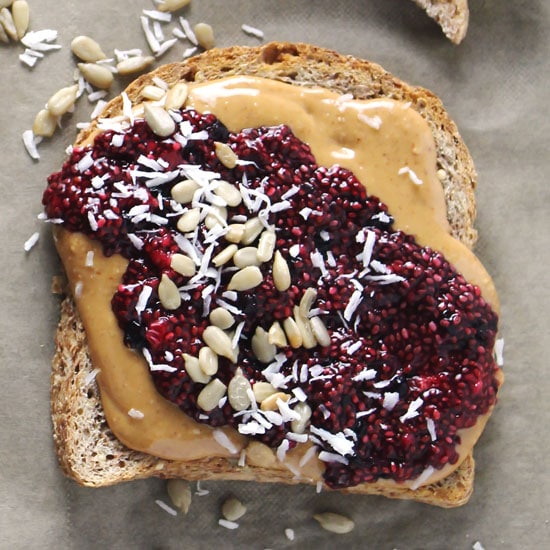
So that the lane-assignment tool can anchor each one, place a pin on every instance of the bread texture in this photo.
(451, 15)
(87, 450)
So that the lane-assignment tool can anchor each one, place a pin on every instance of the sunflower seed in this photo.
(217, 215)
(233, 509)
(184, 190)
(159, 120)
(205, 37)
(308, 298)
(246, 256)
(179, 492)
(189, 221)
(62, 101)
(183, 265)
(229, 193)
(6, 20)
(270, 402)
(320, 331)
(225, 154)
(262, 390)
(261, 347)
(3, 36)
(20, 12)
(252, 228)
(299, 425)
(266, 246)
(219, 341)
(176, 96)
(276, 335)
(154, 93)
(210, 395)
(44, 124)
(194, 371)
(235, 232)
(292, 332)
(172, 5)
(169, 295)
(87, 49)
(134, 64)
(5, 3)
(281, 272)
(308, 340)
(246, 278)
(221, 318)
(225, 255)
(335, 523)
(97, 75)
(208, 361)
(238, 391)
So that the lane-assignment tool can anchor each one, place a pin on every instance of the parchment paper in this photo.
(494, 85)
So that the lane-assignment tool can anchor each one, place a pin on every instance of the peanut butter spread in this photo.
(390, 149)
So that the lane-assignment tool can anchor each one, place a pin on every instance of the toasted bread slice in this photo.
(451, 15)
(87, 449)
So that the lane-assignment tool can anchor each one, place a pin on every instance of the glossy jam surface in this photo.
(409, 361)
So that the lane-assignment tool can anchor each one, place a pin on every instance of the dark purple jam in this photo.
(410, 356)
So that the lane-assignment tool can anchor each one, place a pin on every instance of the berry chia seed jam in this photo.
(275, 296)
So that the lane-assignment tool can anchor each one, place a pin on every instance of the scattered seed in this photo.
(5, 3)
(281, 272)
(276, 335)
(221, 318)
(176, 96)
(261, 347)
(298, 425)
(225, 154)
(217, 215)
(235, 232)
(229, 193)
(225, 255)
(219, 341)
(270, 402)
(210, 395)
(266, 246)
(292, 332)
(62, 101)
(6, 39)
(308, 340)
(208, 361)
(154, 93)
(252, 229)
(335, 523)
(308, 298)
(134, 64)
(172, 5)
(184, 190)
(194, 371)
(233, 509)
(44, 124)
(205, 37)
(262, 390)
(87, 49)
(188, 221)
(21, 14)
(179, 492)
(6, 20)
(159, 120)
(97, 75)
(320, 331)
(238, 392)
(246, 278)
(183, 265)
(169, 295)
(246, 256)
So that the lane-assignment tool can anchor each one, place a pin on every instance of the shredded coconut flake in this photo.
(289, 534)
(422, 478)
(253, 31)
(135, 413)
(31, 142)
(390, 400)
(166, 508)
(499, 349)
(31, 241)
(224, 441)
(375, 122)
(228, 524)
(412, 176)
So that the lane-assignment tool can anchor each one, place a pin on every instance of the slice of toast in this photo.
(87, 449)
(451, 15)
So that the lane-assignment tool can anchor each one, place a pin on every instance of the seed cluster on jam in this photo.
(275, 296)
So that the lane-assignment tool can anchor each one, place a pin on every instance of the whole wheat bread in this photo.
(87, 450)
(451, 15)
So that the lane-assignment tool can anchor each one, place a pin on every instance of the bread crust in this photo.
(87, 450)
(451, 15)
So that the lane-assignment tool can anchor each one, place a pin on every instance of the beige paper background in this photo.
(494, 85)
